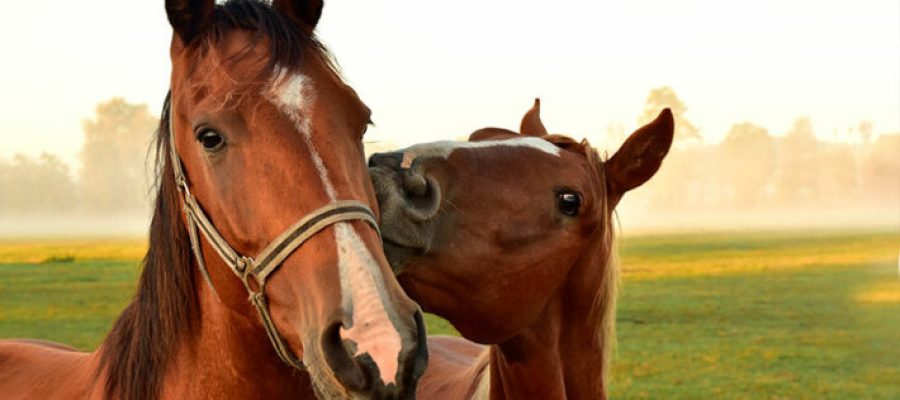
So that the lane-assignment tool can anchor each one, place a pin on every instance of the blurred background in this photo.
(761, 262)
(788, 112)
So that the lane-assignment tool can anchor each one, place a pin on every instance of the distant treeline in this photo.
(749, 169)
(113, 179)
(752, 169)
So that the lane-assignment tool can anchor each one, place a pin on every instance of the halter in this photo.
(267, 261)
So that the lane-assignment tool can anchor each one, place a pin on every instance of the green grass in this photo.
(796, 334)
(764, 315)
(72, 302)
(71, 290)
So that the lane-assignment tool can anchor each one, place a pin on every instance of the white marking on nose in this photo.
(408, 157)
(372, 329)
(443, 149)
(363, 294)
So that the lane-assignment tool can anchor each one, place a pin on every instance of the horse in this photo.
(510, 238)
(263, 194)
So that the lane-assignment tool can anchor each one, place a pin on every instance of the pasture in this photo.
(748, 315)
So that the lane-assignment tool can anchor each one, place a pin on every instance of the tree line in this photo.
(114, 178)
(749, 168)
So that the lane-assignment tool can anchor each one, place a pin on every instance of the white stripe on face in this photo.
(363, 295)
(443, 149)
(293, 95)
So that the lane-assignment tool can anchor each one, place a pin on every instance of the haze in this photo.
(433, 71)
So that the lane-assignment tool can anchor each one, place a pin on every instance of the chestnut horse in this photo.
(259, 154)
(510, 238)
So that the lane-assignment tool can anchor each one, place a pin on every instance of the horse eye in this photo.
(568, 202)
(211, 140)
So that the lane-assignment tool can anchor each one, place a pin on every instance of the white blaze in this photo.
(443, 149)
(372, 329)
(294, 96)
(362, 284)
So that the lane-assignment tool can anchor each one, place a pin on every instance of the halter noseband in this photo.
(267, 261)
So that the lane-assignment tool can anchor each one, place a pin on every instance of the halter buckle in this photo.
(182, 185)
(242, 264)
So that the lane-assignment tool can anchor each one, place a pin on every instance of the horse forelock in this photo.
(276, 48)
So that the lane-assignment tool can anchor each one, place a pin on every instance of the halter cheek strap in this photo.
(267, 261)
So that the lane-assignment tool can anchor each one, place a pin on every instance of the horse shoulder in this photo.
(455, 368)
(36, 369)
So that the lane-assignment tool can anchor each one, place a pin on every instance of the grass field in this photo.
(786, 315)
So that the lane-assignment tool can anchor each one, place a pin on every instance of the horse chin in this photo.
(325, 384)
(398, 255)
(326, 389)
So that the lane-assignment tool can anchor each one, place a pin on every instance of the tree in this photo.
(7, 191)
(837, 175)
(680, 182)
(36, 186)
(796, 182)
(748, 152)
(864, 130)
(881, 170)
(114, 174)
(615, 135)
(665, 97)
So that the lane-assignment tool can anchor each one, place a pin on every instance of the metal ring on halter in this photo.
(265, 263)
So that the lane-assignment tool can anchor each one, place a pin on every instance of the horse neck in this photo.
(230, 356)
(562, 354)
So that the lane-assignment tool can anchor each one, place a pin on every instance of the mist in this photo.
(754, 178)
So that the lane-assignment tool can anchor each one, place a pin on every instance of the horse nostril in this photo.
(415, 185)
(338, 357)
(422, 195)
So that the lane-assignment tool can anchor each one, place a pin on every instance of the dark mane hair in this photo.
(135, 355)
(603, 312)
(288, 40)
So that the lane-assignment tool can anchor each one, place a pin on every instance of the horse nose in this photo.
(422, 194)
(360, 374)
(418, 192)
(338, 357)
(389, 160)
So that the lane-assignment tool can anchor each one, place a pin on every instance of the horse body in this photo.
(509, 237)
(44, 370)
(455, 368)
(557, 356)
(218, 363)
(221, 362)
(262, 192)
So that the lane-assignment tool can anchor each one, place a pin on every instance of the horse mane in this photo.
(137, 350)
(136, 353)
(603, 310)
(288, 42)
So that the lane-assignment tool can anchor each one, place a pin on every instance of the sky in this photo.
(439, 70)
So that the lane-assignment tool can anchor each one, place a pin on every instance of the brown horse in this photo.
(509, 237)
(259, 154)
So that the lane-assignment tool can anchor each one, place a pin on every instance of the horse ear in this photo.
(189, 18)
(640, 156)
(306, 11)
(531, 122)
